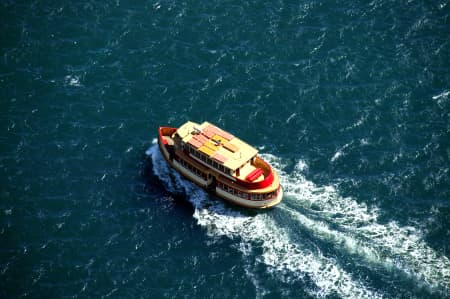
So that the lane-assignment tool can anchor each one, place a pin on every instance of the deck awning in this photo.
(217, 144)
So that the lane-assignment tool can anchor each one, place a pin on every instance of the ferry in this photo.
(220, 163)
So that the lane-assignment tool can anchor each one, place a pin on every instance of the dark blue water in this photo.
(350, 102)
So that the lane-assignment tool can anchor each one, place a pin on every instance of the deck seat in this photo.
(254, 174)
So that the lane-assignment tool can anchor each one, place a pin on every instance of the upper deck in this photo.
(221, 146)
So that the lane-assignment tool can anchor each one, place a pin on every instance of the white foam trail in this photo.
(441, 95)
(360, 232)
(340, 152)
(279, 253)
(323, 231)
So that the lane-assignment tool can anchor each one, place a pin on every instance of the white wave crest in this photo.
(357, 230)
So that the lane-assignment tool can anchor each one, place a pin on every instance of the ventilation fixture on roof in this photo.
(197, 130)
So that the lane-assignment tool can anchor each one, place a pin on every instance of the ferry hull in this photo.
(209, 183)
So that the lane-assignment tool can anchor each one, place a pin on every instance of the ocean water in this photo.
(349, 101)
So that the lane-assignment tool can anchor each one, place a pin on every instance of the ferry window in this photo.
(215, 164)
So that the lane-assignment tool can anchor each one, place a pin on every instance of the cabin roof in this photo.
(217, 144)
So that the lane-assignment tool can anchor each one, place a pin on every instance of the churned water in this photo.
(350, 102)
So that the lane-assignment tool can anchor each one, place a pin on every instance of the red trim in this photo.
(165, 131)
(268, 180)
(258, 185)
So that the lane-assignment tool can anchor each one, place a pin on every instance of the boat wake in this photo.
(344, 223)
(354, 227)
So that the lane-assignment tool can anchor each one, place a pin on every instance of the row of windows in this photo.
(193, 169)
(233, 191)
(207, 160)
(254, 196)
